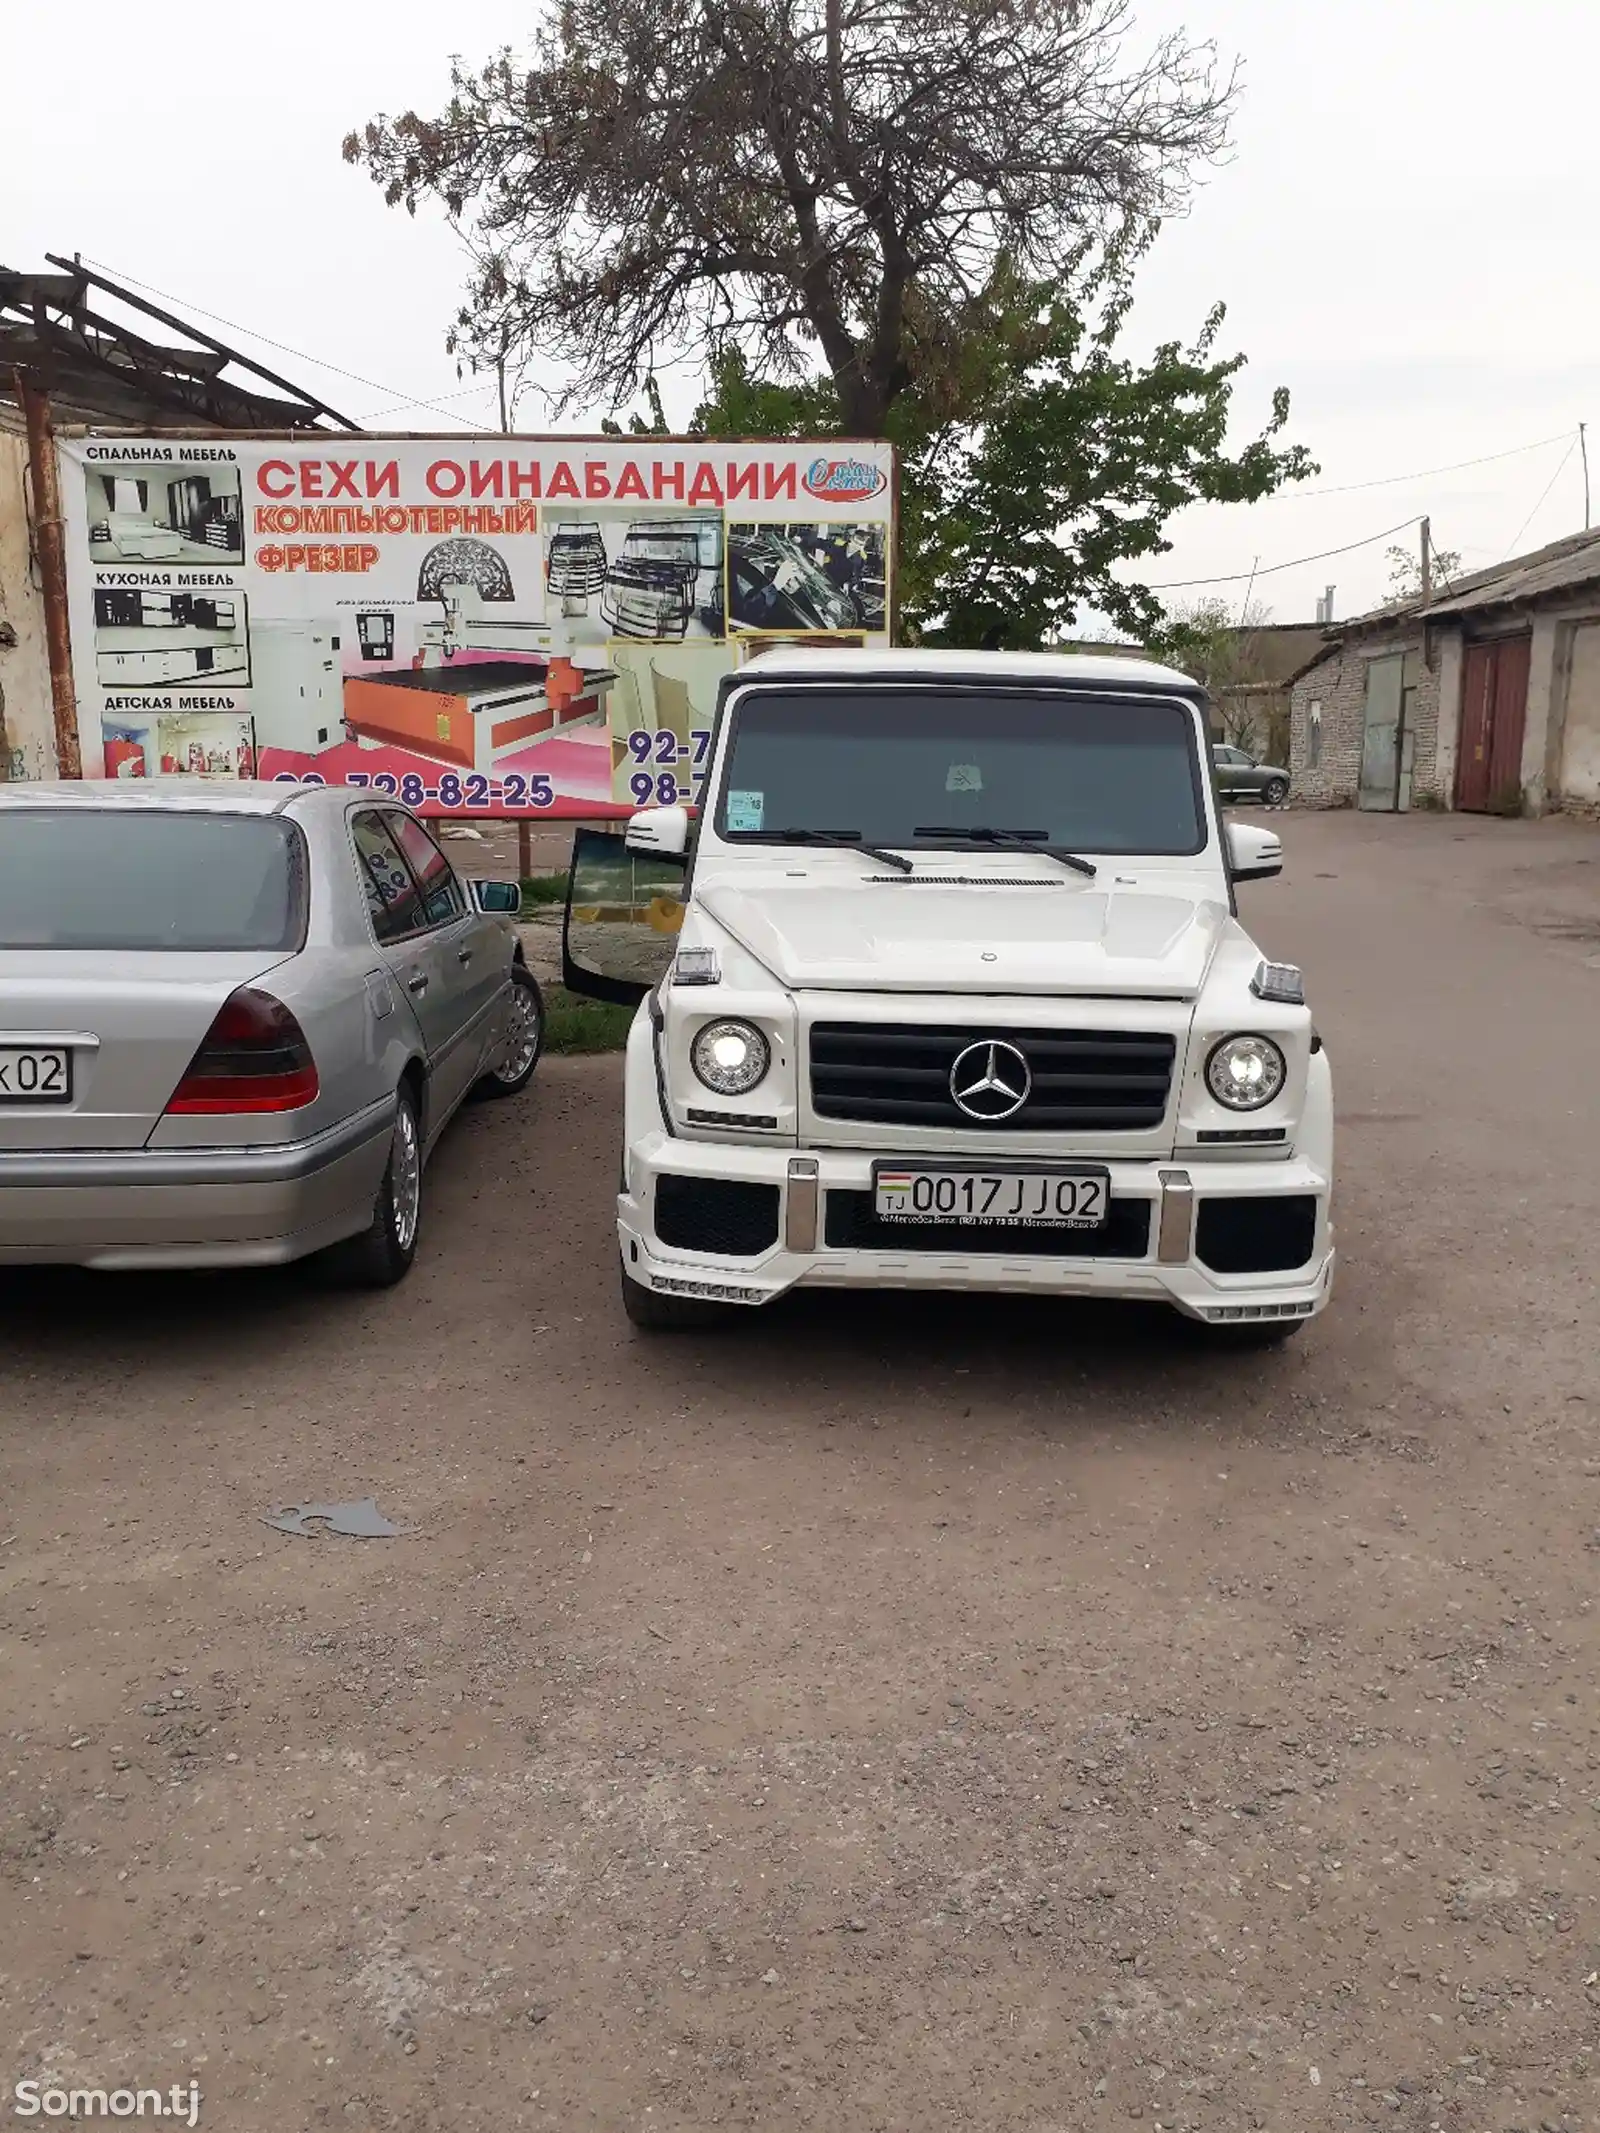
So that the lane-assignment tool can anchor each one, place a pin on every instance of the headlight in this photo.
(730, 1057)
(1245, 1072)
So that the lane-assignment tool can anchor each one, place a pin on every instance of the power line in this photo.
(266, 340)
(1543, 493)
(1389, 481)
(485, 384)
(1238, 577)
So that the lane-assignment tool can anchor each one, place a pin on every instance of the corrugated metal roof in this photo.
(1564, 566)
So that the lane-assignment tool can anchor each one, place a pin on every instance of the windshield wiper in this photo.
(842, 840)
(1021, 840)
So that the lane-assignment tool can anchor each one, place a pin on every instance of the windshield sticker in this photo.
(746, 810)
(963, 777)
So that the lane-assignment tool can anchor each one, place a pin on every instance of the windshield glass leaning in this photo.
(97, 878)
(1091, 774)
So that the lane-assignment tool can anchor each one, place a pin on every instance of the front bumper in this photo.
(193, 1207)
(1161, 1265)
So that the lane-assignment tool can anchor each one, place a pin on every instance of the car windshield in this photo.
(153, 879)
(1089, 774)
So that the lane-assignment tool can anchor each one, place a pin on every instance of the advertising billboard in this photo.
(501, 626)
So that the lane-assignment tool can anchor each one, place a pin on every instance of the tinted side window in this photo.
(394, 901)
(442, 899)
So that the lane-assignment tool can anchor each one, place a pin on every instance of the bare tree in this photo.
(672, 179)
(1405, 571)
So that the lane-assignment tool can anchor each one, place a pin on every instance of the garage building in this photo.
(1487, 700)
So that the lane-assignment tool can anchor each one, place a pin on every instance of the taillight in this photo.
(254, 1058)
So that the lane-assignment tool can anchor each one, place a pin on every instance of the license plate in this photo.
(1003, 1198)
(30, 1075)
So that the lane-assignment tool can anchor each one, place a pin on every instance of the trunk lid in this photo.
(132, 1020)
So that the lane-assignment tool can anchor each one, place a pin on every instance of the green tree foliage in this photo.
(1037, 484)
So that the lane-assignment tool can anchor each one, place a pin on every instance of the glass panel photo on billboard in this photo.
(663, 711)
(800, 579)
(647, 576)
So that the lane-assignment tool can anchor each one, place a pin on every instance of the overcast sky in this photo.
(1404, 236)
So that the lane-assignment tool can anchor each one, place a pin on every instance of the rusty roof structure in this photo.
(67, 331)
(1567, 565)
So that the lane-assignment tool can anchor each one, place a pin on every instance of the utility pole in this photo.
(1427, 563)
(1583, 447)
(50, 546)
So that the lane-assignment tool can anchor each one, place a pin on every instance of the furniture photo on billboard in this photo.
(145, 639)
(165, 512)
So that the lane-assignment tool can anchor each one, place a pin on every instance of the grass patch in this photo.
(573, 1024)
(543, 889)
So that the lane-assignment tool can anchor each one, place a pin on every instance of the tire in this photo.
(383, 1252)
(652, 1312)
(1254, 1334)
(1275, 792)
(524, 1039)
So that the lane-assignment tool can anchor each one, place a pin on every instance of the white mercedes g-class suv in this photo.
(946, 988)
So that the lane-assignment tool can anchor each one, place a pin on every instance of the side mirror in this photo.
(624, 913)
(504, 897)
(1254, 854)
(663, 830)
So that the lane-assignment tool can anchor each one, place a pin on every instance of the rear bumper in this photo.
(193, 1207)
(1157, 1227)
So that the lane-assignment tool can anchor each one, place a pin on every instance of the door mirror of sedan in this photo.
(1254, 854)
(624, 912)
(504, 897)
(663, 830)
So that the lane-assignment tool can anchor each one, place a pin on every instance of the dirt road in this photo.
(893, 1715)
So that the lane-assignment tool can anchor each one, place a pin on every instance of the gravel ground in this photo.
(894, 1714)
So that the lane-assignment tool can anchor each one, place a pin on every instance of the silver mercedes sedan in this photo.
(235, 1020)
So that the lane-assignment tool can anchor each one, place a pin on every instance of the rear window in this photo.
(98, 878)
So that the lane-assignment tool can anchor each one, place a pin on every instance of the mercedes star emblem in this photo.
(990, 1081)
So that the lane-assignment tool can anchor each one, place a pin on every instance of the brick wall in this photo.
(1339, 685)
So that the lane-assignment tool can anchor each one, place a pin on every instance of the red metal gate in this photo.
(1494, 709)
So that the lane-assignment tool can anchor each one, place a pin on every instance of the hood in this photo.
(897, 937)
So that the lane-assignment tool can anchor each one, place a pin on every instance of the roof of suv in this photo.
(200, 796)
(930, 664)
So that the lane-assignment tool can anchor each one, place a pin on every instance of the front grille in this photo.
(722, 1215)
(1082, 1080)
(852, 1224)
(1263, 1233)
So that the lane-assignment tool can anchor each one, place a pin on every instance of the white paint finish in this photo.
(1447, 654)
(25, 666)
(1580, 751)
(846, 934)
(1536, 730)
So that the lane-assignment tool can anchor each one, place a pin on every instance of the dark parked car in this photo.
(1241, 777)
